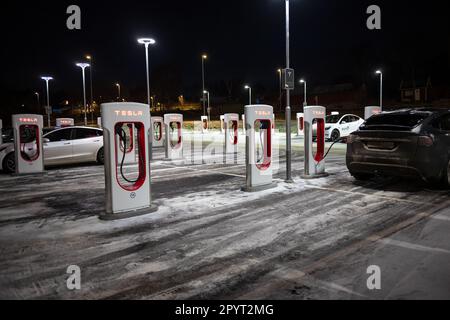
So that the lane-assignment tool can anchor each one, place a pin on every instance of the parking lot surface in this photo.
(312, 239)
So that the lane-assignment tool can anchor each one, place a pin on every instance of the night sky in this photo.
(243, 39)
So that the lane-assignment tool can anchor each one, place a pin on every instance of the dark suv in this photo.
(405, 143)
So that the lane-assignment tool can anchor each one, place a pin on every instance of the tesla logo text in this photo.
(74, 280)
(374, 21)
(74, 20)
(318, 113)
(374, 281)
(128, 113)
(262, 113)
(28, 120)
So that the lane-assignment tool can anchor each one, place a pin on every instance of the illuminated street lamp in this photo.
(204, 57)
(247, 87)
(381, 88)
(38, 100)
(91, 62)
(279, 71)
(304, 85)
(47, 79)
(118, 91)
(84, 66)
(146, 42)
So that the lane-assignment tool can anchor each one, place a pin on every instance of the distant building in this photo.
(415, 91)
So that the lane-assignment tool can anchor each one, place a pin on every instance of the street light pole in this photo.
(209, 106)
(118, 91)
(38, 101)
(381, 88)
(91, 59)
(47, 79)
(249, 94)
(288, 105)
(305, 103)
(83, 66)
(147, 42)
(204, 57)
(281, 92)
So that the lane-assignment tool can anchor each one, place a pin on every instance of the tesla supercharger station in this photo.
(205, 124)
(64, 122)
(173, 126)
(158, 132)
(258, 148)
(231, 128)
(221, 123)
(300, 124)
(370, 111)
(99, 122)
(127, 188)
(243, 123)
(314, 155)
(29, 153)
(1, 132)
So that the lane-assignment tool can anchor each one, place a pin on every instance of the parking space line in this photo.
(209, 171)
(412, 246)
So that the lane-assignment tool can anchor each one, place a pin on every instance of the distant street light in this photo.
(381, 88)
(118, 91)
(84, 66)
(249, 94)
(204, 57)
(304, 85)
(209, 107)
(91, 61)
(47, 79)
(146, 42)
(281, 92)
(38, 100)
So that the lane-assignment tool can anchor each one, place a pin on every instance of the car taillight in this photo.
(351, 138)
(425, 141)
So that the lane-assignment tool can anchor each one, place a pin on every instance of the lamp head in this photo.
(302, 81)
(378, 72)
(146, 41)
(83, 65)
(247, 87)
(204, 56)
(47, 78)
(89, 57)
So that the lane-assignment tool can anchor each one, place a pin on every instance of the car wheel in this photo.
(335, 135)
(362, 176)
(101, 156)
(445, 178)
(9, 163)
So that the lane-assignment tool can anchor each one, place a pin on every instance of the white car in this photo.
(337, 126)
(62, 146)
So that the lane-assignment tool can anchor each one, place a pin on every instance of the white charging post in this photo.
(127, 188)
(243, 123)
(231, 129)
(258, 148)
(173, 126)
(370, 111)
(29, 155)
(314, 122)
(221, 123)
(158, 132)
(64, 122)
(205, 124)
(300, 124)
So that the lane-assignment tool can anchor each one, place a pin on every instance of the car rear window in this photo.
(393, 121)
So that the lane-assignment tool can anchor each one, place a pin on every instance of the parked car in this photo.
(62, 146)
(337, 126)
(405, 143)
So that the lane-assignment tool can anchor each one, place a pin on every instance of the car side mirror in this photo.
(46, 140)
